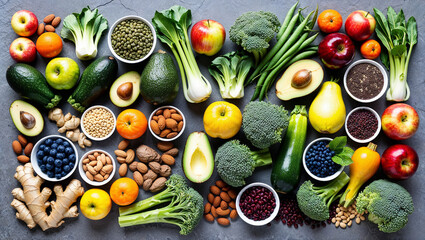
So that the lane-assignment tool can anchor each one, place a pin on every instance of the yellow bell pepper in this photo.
(222, 120)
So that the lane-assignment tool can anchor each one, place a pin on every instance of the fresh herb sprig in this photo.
(343, 154)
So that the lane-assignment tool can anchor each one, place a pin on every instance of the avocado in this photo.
(125, 90)
(299, 79)
(159, 80)
(27, 118)
(198, 159)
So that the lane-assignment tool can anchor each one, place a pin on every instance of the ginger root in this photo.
(31, 203)
(77, 136)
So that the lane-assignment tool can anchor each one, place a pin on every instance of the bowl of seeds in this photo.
(98, 123)
(131, 39)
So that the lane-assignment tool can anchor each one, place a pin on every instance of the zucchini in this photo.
(31, 84)
(286, 169)
(95, 80)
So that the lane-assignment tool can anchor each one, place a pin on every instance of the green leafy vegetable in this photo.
(230, 72)
(85, 30)
(171, 26)
(343, 154)
(399, 39)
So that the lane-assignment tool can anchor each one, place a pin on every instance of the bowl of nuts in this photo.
(167, 123)
(98, 123)
(96, 167)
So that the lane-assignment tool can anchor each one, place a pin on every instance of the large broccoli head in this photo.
(388, 204)
(235, 162)
(253, 31)
(264, 123)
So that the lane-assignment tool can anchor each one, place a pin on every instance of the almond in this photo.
(142, 168)
(161, 122)
(17, 147)
(99, 165)
(159, 112)
(96, 154)
(108, 168)
(155, 118)
(173, 152)
(167, 113)
(172, 110)
(49, 18)
(133, 166)
(91, 170)
(108, 160)
(130, 156)
(123, 144)
(209, 217)
(120, 153)
(155, 167)
(207, 207)
(225, 196)
(220, 183)
(98, 178)
(85, 161)
(91, 157)
(168, 159)
(222, 212)
(138, 178)
(123, 170)
(232, 194)
(89, 176)
(215, 190)
(23, 159)
(158, 184)
(155, 127)
(210, 198)
(121, 160)
(224, 205)
(233, 214)
(232, 204)
(223, 221)
(214, 212)
(56, 21)
(216, 202)
(177, 117)
(102, 172)
(180, 126)
(93, 163)
(102, 158)
(49, 28)
(226, 188)
(164, 133)
(164, 146)
(40, 29)
(85, 167)
(170, 123)
(171, 135)
(106, 176)
(22, 140)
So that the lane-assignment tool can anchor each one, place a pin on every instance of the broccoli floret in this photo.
(185, 207)
(388, 204)
(264, 123)
(315, 201)
(253, 32)
(236, 161)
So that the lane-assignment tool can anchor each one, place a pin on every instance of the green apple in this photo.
(62, 73)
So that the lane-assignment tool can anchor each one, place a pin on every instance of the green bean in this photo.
(286, 21)
(298, 46)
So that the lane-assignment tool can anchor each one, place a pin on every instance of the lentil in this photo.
(365, 81)
(362, 124)
(98, 122)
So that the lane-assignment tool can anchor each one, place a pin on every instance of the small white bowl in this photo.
(90, 136)
(262, 222)
(325, 179)
(83, 174)
(126, 18)
(377, 130)
(37, 169)
(384, 74)
(167, 139)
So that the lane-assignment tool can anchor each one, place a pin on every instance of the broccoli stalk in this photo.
(315, 201)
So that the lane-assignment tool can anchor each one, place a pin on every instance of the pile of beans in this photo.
(362, 124)
(257, 203)
(319, 160)
(98, 122)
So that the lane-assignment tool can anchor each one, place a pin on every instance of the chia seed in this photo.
(365, 81)
(362, 124)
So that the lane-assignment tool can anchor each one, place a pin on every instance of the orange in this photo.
(370, 49)
(329, 21)
(124, 191)
(131, 124)
(49, 44)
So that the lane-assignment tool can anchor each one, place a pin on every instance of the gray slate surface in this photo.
(224, 12)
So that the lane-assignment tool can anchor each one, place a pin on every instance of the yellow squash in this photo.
(222, 120)
(327, 111)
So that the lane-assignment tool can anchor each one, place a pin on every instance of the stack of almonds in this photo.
(167, 123)
(97, 166)
(51, 21)
(221, 204)
(153, 169)
(345, 216)
(20, 145)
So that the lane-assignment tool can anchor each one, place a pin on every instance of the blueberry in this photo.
(58, 162)
(41, 147)
(65, 144)
(49, 166)
(53, 152)
(45, 159)
(40, 154)
(63, 173)
(58, 170)
(59, 141)
(65, 161)
(54, 146)
(69, 150)
(66, 168)
(50, 174)
(50, 160)
(48, 141)
(43, 168)
(61, 148)
(60, 155)
(71, 157)
(71, 165)
(58, 176)
(39, 161)
(46, 150)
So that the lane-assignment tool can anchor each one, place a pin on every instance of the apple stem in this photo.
(367, 14)
(208, 22)
(372, 146)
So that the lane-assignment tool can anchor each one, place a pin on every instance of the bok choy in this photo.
(398, 37)
(85, 30)
(171, 26)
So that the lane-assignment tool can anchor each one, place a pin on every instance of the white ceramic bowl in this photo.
(262, 222)
(37, 169)
(384, 74)
(126, 18)
(84, 130)
(167, 139)
(377, 130)
(325, 179)
(83, 174)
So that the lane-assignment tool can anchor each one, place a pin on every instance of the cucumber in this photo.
(95, 80)
(286, 169)
(30, 83)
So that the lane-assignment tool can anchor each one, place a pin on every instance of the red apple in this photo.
(336, 50)
(207, 37)
(399, 161)
(24, 23)
(23, 50)
(400, 121)
(360, 25)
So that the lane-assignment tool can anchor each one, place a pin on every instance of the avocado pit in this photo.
(125, 91)
(301, 78)
(27, 119)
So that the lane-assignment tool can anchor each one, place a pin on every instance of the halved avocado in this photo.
(299, 79)
(198, 159)
(27, 118)
(125, 90)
